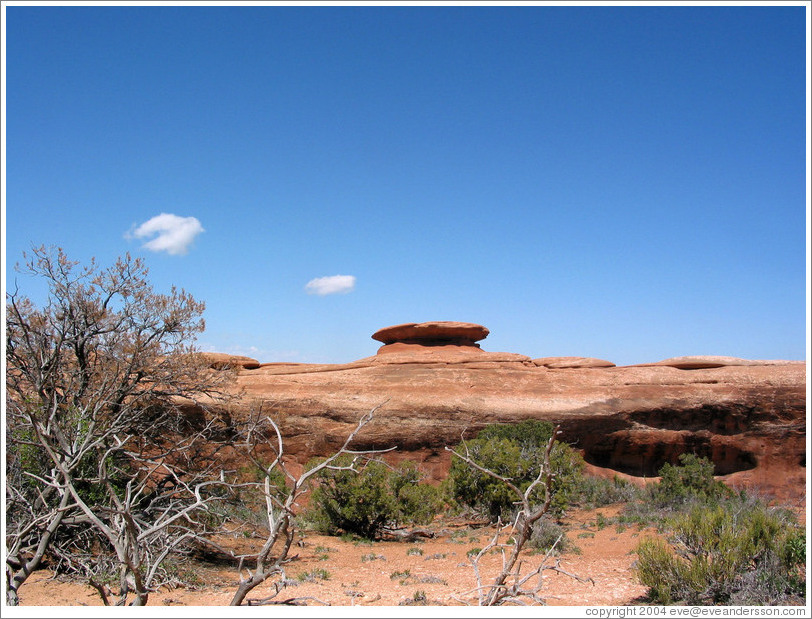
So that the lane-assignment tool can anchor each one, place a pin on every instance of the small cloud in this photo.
(172, 234)
(333, 284)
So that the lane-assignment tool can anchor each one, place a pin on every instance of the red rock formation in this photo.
(220, 361)
(421, 337)
(749, 418)
(561, 363)
(429, 333)
(699, 362)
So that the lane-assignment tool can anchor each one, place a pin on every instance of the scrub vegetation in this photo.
(112, 481)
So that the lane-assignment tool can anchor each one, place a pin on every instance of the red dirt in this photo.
(391, 573)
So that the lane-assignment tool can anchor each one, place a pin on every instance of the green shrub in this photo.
(592, 492)
(401, 576)
(417, 502)
(313, 575)
(350, 502)
(546, 534)
(363, 503)
(691, 481)
(680, 488)
(418, 598)
(659, 568)
(514, 451)
(735, 552)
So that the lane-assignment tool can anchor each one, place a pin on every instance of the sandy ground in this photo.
(437, 570)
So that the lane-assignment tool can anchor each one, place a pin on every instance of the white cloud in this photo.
(332, 284)
(172, 234)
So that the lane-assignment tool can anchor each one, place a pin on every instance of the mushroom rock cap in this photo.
(428, 333)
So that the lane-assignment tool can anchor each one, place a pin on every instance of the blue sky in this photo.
(627, 183)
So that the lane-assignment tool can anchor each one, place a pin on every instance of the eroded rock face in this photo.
(749, 418)
(564, 363)
(222, 361)
(699, 362)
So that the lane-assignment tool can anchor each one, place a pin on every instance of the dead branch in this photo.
(279, 510)
(519, 531)
(406, 535)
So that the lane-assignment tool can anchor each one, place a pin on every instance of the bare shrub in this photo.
(96, 383)
(279, 503)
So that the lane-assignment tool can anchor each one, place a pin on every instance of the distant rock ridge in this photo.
(556, 363)
(456, 342)
(698, 362)
(221, 361)
(434, 383)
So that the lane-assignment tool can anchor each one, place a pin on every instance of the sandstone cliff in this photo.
(747, 416)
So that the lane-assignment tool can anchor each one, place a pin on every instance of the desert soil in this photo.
(395, 573)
